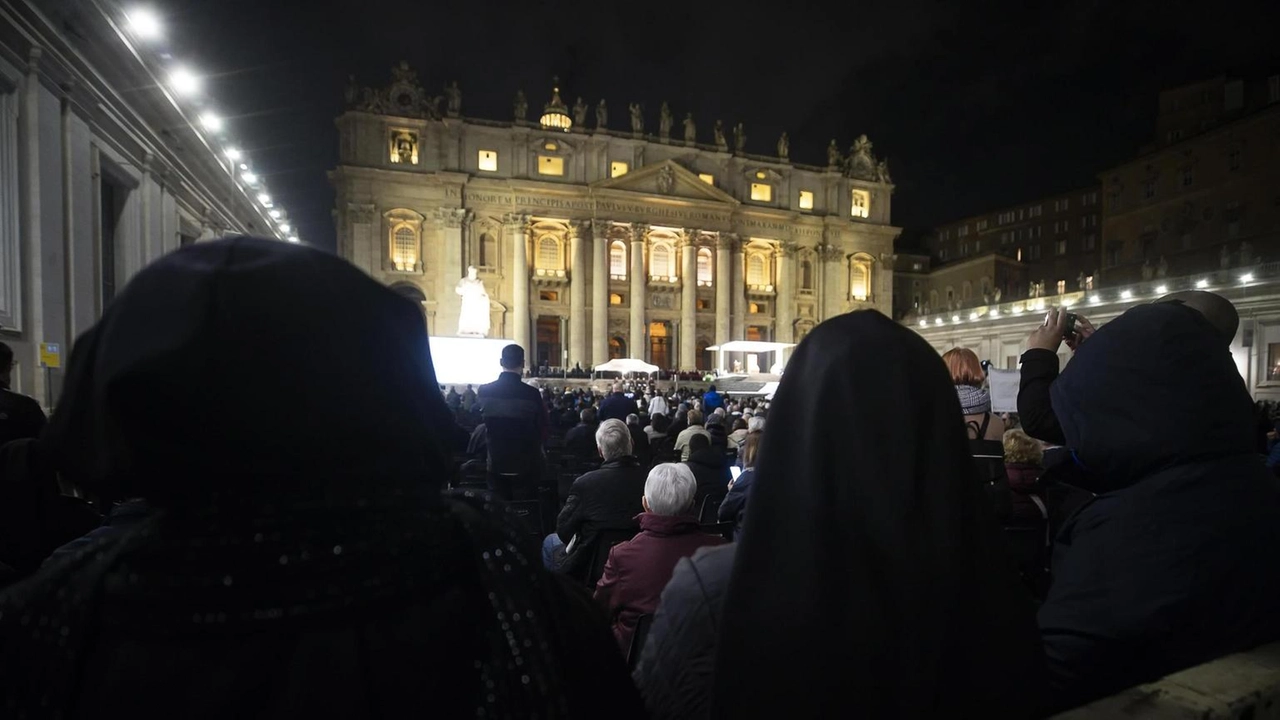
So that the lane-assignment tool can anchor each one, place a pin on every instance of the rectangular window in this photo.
(761, 192)
(963, 231)
(707, 178)
(548, 165)
(1090, 241)
(617, 299)
(982, 225)
(488, 161)
(1037, 211)
(703, 304)
(1062, 287)
(964, 249)
(860, 204)
(1061, 247)
(548, 296)
(617, 168)
(806, 200)
(1033, 252)
(1273, 361)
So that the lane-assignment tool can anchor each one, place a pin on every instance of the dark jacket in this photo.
(1024, 486)
(516, 423)
(1173, 563)
(674, 673)
(601, 499)
(719, 438)
(736, 501)
(640, 445)
(1039, 370)
(580, 442)
(616, 406)
(712, 473)
(638, 570)
(20, 417)
(119, 520)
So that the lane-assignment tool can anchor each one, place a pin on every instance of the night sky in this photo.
(974, 108)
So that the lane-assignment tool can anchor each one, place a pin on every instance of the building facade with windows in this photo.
(597, 242)
(101, 172)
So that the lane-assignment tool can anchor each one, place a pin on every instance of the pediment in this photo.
(667, 178)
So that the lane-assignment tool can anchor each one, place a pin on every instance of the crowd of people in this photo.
(211, 524)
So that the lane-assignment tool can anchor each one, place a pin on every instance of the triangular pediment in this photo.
(668, 178)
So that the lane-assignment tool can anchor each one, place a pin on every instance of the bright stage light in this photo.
(184, 81)
(211, 122)
(1126, 294)
(233, 154)
(264, 198)
(275, 214)
(1162, 289)
(1246, 278)
(285, 227)
(1202, 284)
(144, 23)
(466, 361)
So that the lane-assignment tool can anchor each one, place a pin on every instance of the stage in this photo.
(466, 361)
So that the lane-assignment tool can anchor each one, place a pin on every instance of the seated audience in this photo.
(694, 427)
(302, 561)
(716, 433)
(735, 503)
(639, 440)
(975, 402)
(755, 424)
(871, 575)
(637, 570)
(711, 470)
(739, 433)
(1023, 459)
(608, 498)
(680, 420)
(580, 441)
(1171, 565)
(657, 427)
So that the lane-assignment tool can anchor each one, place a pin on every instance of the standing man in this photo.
(617, 406)
(516, 421)
(658, 404)
(20, 416)
(711, 400)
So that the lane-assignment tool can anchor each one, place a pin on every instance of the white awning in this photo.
(627, 365)
(752, 346)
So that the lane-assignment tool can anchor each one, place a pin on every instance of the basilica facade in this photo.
(601, 242)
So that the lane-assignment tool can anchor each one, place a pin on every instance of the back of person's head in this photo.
(588, 416)
(711, 388)
(755, 424)
(750, 448)
(617, 387)
(739, 424)
(1021, 448)
(670, 489)
(699, 442)
(964, 366)
(694, 417)
(1219, 311)
(633, 419)
(614, 439)
(660, 423)
(512, 358)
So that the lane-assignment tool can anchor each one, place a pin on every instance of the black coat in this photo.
(580, 442)
(1039, 370)
(20, 417)
(616, 406)
(515, 419)
(608, 498)
(1173, 564)
(640, 445)
(712, 473)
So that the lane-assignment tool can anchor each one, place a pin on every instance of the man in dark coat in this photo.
(710, 469)
(617, 406)
(20, 416)
(580, 441)
(515, 421)
(1172, 564)
(639, 440)
(638, 570)
(604, 499)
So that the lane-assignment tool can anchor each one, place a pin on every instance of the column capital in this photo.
(361, 213)
(639, 231)
(830, 253)
(788, 248)
(579, 228)
(453, 217)
(728, 241)
(689, 237)
(516, 221)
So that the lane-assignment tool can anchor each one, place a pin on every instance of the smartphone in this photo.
(735, 471)
(1069, 330)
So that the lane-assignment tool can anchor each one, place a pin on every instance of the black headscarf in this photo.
(871, 576)
(281, 409)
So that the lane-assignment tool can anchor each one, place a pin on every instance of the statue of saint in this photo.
(833, 155)
(719, 135)
(861, 163)
(784, 146)
(352, 90)
(473, 319)
(637, 119)
(739, 138)
(453, 95)
(664, 121)
(521, 107)
(602, 115)
(1147, 270)
(882, 172)
(580, 113)
(690, 129)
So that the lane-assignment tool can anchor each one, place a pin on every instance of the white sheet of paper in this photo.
(1004, 390)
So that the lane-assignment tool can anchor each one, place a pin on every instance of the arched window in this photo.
(806, 274)
(860, 277)
(618, 260)
(617, 347)
(704, 267)
(549, 254)
(488, 251)
(404, 247)
(662, 262)
(756, 270)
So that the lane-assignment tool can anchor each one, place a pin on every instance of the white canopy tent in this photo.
(750, 347)
(626, 365)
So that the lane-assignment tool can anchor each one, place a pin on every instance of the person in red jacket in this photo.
(638, 570)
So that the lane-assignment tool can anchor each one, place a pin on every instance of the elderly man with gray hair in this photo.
(638, 570)
(608, 498)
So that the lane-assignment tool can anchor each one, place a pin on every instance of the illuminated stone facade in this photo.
(598, 242)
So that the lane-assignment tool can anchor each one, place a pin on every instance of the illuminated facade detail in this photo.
(617, 168)
(860, 203)
(806, 200)
(550, 165)
(618, 260)
(860, 277)
(704, 267)
(404, 147)
(488, 161)
(762, 192)
(707, 178)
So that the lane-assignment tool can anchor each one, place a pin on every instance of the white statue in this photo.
(473, 319)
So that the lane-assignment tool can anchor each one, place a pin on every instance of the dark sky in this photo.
(975, 104)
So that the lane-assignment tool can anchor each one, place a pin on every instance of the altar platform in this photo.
(467, 360)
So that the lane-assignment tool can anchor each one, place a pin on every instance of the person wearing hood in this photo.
(637, 570)
(1171, 565)
(301, 560)
(710, 468)
(871, 576)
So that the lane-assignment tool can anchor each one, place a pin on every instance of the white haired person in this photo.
(638, 570)
(604, 498)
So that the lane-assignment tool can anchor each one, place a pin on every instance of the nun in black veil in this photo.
(279, 409)
(870, 580)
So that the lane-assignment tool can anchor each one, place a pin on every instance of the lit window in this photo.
(860, 278)
(763, 192)
(549, 296)
(489, 160)
(548, 165)
(618, 260)
(617, 168)
(1062, 287)
(549, 254)
(704, 267)
(806, 200)
(753, 308)
(488, 251)
(757, 273)
(404, 248)
(616, 299)
(703, 304)
(861, 204)
(806, 274)
(760, 175)
(662, 262)
(549, 145)
(707, 178)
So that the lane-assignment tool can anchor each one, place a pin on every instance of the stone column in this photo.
(32, 304)
(577, 298)
(688, 301)
(599, 293)
(638, 280)
(68, 221)
(738, 329)
(724, 283)
(785, 313)
(519, 227)
(452, 223)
